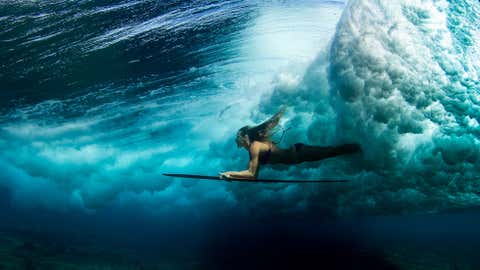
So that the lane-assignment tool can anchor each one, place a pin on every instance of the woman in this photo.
(256, 140)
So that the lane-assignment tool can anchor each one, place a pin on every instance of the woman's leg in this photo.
(314, 153)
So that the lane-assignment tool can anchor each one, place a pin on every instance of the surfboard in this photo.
(206, 177)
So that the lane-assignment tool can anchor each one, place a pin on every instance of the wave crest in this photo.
(402, 83)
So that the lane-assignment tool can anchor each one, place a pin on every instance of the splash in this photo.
(400, 78)
(405, 83)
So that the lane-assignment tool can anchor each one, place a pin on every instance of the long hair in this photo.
(262, 132)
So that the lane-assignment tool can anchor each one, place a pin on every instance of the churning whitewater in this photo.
(165, 92)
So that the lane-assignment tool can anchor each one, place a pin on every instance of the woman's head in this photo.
(243, 138)
(246, 135)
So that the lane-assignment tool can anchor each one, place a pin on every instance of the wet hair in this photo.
(262, 131)
(256, 133)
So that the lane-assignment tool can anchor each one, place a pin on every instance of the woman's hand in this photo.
(236, 175)
(225, 175)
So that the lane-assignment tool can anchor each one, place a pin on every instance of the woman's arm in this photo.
(253, 167)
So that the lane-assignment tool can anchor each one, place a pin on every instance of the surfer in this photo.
(262, 150)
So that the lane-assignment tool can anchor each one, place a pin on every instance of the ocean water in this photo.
(99, 98)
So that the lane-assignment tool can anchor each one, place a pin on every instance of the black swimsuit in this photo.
(298, 146)
(265, 157)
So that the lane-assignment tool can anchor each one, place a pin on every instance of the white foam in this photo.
(395, 70)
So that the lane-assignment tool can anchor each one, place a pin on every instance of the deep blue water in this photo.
(99, 98)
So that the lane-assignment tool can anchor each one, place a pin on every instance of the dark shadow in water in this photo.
(120, 238)
(291, 247)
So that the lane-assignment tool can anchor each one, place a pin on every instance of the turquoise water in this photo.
(99, 98)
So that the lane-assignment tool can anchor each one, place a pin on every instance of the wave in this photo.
(399, 78)
(405, 84)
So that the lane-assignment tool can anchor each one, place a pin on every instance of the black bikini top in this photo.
(265, 157)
